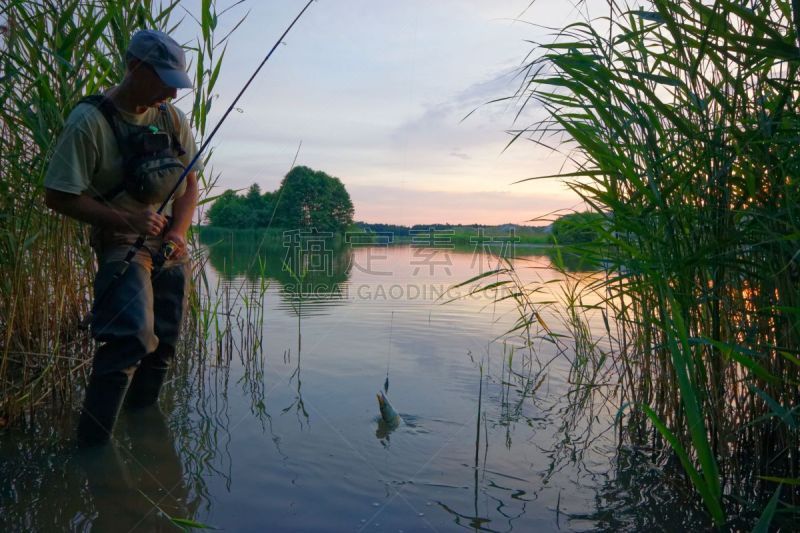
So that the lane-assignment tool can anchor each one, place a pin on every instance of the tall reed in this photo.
(53, 53)
(681, 121)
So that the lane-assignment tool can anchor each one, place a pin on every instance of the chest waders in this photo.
(105, 393)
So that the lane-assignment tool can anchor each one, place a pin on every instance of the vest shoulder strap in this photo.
(109, 112)
(106, 108)
(174, 127)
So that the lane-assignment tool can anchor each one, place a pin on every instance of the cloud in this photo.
(460, 155)
(480, 114)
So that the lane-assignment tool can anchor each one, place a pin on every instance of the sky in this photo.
(379, 94)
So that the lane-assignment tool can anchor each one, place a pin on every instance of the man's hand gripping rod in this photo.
(135, 247)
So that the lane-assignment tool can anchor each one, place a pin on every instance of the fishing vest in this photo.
(150, 164)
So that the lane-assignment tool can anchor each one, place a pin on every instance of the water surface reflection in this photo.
(138, 482)
(277, 422)
(311, 276)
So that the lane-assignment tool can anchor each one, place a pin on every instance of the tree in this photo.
(306, 199)
(313, 199)
(578, 228)
(226, 212)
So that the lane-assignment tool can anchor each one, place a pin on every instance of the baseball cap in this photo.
(161, 52)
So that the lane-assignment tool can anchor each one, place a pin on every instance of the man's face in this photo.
(150, 90)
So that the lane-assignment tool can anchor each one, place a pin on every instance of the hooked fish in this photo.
(388, 415)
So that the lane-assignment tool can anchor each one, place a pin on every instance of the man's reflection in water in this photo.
(136, 481)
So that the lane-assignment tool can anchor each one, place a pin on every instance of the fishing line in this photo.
(256, 255)
(231, 107)
(389, 356)
(280, 191)
(135, 247)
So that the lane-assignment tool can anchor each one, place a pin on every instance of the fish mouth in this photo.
(381, 401)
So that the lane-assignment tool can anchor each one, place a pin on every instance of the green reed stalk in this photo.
(681, 120)
(53, 53)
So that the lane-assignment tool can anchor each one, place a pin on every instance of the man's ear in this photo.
(133, 63)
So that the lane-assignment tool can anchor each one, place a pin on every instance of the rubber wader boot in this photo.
(146, 383)
(104, 397)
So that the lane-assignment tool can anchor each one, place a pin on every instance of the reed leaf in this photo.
(762, 526)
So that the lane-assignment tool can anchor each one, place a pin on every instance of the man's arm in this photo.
(84, 208)
(182, 212)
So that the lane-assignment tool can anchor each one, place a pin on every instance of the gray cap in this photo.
(161, 52)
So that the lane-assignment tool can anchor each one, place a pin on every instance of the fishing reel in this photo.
(167, 249)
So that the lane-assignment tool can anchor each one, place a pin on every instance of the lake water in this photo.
(274, 424)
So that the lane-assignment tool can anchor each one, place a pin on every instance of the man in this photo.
(139, 320)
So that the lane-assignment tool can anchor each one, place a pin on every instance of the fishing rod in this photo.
(136, 246)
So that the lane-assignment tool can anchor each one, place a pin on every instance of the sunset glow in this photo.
(380, 98)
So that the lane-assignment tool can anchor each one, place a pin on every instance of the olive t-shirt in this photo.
(86, 158)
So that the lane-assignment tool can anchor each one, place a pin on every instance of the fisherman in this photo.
(116, 160)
